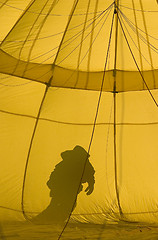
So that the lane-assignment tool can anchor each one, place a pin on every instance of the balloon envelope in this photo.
(79, 75)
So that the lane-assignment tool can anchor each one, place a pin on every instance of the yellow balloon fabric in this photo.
(79, 111)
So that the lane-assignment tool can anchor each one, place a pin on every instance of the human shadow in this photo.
(65, 183)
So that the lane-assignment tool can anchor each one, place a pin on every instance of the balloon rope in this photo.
(137, 64)
(148, 42)
(138, 39)
(94, 125)
(115, 92)
(28, 155)
(36, 123)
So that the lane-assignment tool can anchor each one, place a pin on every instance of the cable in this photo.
(72, 39)
(57, 15)
(80, 124)
(93, 130)
(30, 50)
(36, 125)
(140, 10)
(78, 44)
(135, 43)
(148, 43)
(131, 23)
(3, 3)
(74, 71)
(135, 28)
(138, 40)
(53, 35)
(137, 65)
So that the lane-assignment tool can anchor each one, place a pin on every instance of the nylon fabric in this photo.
(78, 113)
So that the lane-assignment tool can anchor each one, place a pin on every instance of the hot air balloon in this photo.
(78, 114)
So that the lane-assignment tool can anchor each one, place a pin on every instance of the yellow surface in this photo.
(52, 66)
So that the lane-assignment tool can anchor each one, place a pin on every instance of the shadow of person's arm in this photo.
(89, 189)
(89, 178)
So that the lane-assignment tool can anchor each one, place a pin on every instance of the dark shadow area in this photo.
(2, 237)
(65, 183)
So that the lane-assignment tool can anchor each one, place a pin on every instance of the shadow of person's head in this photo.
(78, 153)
